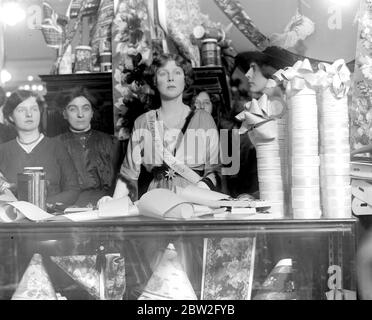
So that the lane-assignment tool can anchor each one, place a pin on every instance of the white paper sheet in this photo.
(215, 199)
(18, 210)
(163, 203)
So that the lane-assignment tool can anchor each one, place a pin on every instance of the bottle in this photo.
(31, 186)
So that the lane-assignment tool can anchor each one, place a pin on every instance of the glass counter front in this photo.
(140, 258)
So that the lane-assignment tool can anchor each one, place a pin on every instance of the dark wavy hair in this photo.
(160, 61)
(64, 98)
(17, 97)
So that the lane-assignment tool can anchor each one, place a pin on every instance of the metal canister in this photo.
(31, 186)
(209, 52)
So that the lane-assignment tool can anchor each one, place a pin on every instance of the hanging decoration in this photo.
(52, 26)
(101, 31)
(75, 6)
(181, 17)
(235, 12)
(237, 15)
(298, 28)
(131, 47)
(361, 110)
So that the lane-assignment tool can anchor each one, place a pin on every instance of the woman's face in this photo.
(79, 113)
(26, 116)
(170, 80)
(203, 101)
(257, 82)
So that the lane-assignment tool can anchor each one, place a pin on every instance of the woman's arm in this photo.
(127, 183)
(212, 172)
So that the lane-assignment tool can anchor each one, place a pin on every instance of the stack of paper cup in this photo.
(334, 155)
(304, 154)
(283, 140)
(270, 180)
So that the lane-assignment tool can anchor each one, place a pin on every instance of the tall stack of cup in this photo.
(335, 148)
(304, 150)
(269, 171)
(283, 140)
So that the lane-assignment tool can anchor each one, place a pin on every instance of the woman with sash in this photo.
(179, 146)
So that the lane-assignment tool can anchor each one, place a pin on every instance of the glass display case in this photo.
(142, 258)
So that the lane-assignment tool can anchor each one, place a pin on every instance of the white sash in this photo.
(173, 163)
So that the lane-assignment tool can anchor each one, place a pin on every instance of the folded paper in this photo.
(213, 199)
(163, 203)
(35, 283)
(19, 210)
(169, 280)
(360, 208)
(82, 269)
(362, 190)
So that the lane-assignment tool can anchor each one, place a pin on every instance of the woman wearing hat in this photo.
(32, 149)
(258, 68)
(94, 153)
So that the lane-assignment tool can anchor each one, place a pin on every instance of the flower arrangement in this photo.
(132, 52)
(361, 110)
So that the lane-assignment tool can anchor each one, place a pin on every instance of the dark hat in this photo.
(274, 56)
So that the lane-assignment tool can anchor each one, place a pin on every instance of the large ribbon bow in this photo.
(336, 76)
(298, 77)
(256, 118)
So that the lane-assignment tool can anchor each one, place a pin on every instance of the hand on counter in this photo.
(104, 200)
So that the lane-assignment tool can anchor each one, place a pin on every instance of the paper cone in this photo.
(35, 283)
(279, 285)
(82, 269)
(169, 280)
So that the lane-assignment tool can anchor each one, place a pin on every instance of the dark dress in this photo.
(53, 157)
(7, 133)
(96, 156)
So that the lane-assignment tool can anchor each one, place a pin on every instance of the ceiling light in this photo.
(40, 87)
(27, 87)
(8, 94)
(34, 87)
(5, 76)
(12, 13)
(30, 78)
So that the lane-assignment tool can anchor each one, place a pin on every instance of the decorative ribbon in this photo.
(299, 77)
(173, 163)
(239, 17)
(336, 76)
(256, 119)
